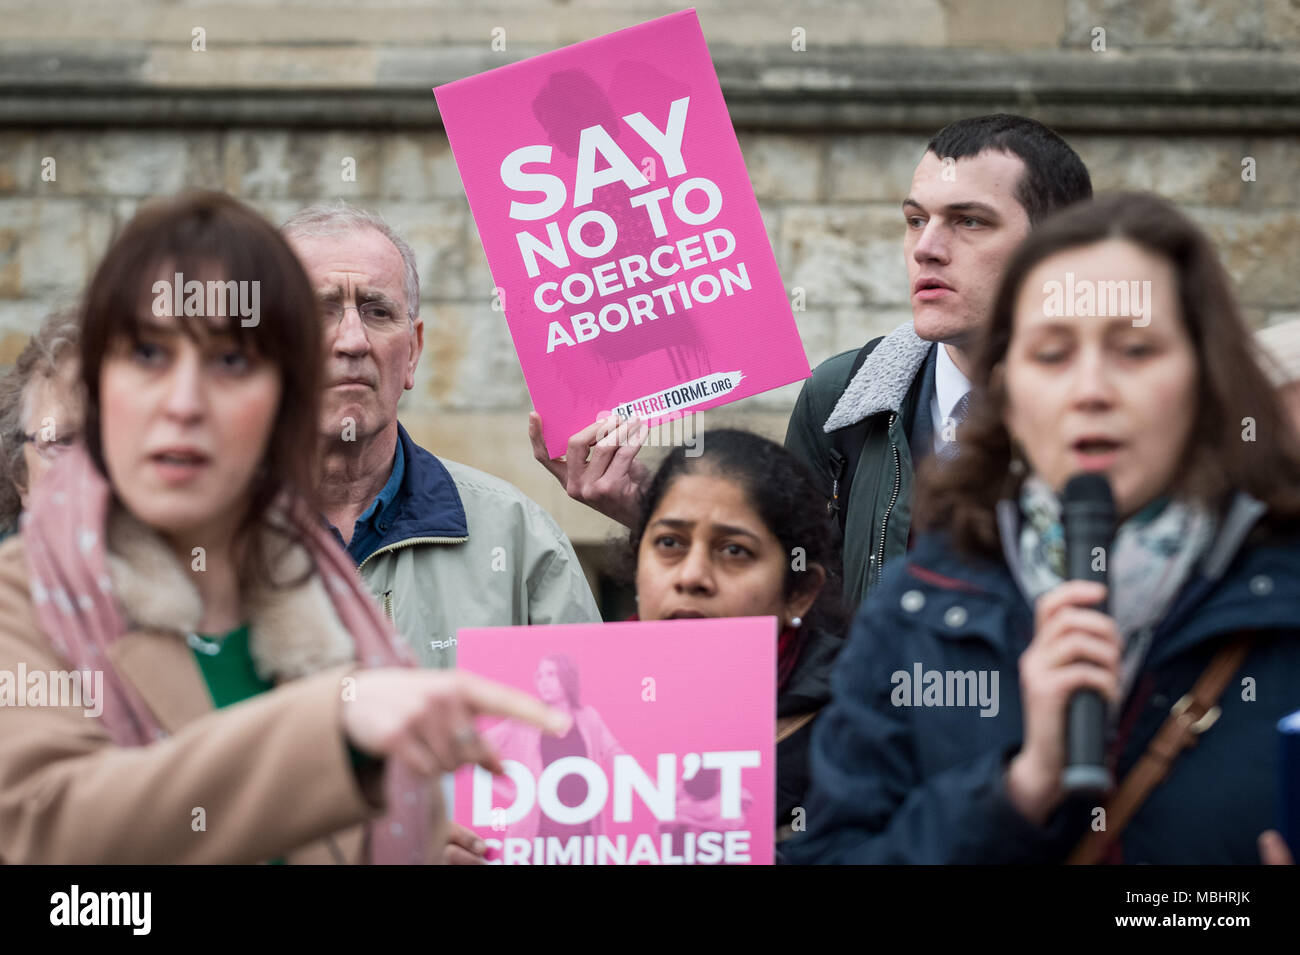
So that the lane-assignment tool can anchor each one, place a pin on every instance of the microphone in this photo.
(1088, 515)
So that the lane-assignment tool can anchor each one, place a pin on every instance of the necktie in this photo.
(959, 411)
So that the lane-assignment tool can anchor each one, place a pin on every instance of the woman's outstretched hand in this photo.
(425, 718)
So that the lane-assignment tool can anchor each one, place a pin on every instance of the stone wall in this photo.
(285, 94)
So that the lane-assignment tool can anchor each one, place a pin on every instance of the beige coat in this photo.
(267, 778)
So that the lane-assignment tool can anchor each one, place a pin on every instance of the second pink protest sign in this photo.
(621, 229)
(670, 759)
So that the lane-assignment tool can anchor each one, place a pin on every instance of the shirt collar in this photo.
(949, 386)
(949, 383)
(385, 497)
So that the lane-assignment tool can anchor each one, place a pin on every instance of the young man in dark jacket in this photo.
(866, 418)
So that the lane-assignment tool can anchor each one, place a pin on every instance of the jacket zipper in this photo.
(898, 481)
(388, 604)
(839, 462)
(409, 542)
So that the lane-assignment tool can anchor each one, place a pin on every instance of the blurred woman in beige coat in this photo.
(189, 669)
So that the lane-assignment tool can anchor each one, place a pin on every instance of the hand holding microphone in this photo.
(1070, 669)
(1088, 512)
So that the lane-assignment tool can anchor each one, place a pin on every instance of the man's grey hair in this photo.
(337, 218)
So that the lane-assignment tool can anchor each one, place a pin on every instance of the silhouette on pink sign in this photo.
(569, 102)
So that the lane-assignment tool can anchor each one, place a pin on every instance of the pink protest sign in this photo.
(621, 229)
(671, 757)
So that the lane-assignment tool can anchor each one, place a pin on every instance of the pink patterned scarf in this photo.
(63, 535)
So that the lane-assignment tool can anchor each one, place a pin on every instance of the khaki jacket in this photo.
(267, 778)
(466, 549)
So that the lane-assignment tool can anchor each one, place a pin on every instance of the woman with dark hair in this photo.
(193, 633)
(1159, 390)
(734, 528)
(739, 531)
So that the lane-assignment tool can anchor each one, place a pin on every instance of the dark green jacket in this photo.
(883, 398)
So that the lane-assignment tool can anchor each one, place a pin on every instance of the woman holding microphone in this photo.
(1166, 399)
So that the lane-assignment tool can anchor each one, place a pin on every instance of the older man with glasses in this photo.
(441, 545)
(40, 412)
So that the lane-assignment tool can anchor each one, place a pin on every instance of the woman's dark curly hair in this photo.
(780, 489)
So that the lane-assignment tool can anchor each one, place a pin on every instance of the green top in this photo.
(226, 663)
(227, 667)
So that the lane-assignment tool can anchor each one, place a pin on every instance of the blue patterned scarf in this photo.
(1154, 553)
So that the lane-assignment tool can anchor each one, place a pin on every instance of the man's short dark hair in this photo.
(1054, 176)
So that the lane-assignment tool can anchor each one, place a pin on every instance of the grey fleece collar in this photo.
(882, 382)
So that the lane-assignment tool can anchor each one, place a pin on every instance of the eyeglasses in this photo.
(50, 448)
(375, 316)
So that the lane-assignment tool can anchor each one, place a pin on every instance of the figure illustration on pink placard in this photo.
(699, 792)
(569, 102)
(557, 685)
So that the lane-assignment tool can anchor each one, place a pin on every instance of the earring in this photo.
(1017, 463)
(796, 622)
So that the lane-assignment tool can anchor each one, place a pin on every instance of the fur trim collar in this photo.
(293, 631)
(882, 382)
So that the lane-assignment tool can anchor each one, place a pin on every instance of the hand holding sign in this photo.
(600, 468)
(463, 846)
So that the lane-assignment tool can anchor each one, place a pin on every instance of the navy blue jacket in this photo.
(924, 784)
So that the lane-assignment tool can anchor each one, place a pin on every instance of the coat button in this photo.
(913, 601)
(1261, 585)
(955, 617)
